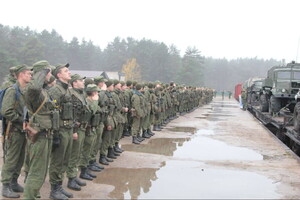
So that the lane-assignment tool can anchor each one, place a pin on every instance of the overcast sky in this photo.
(218, 28)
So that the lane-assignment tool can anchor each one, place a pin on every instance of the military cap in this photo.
(21, 68)
(150, 85)
(88, 81)
(40, 65)
(58, 67)
(128, 83)
(99, 79)
(122, 83)
(116, 82)
(76, 77)
(109, 83)
(91, 88)
(12, 70)
(138, 86)
(134, 83)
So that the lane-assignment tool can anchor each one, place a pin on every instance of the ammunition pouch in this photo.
(55, 120)
(104, 117)
(95, 121)
(85, 116)
(67, 111)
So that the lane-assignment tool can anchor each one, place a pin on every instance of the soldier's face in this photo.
(26, 76)
(118, 86)
(64, 75)
(79, 84)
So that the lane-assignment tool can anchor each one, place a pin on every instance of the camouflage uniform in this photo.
(40, 148)
(12, 110)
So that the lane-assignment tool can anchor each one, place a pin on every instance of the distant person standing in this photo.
(223, 95)
(229, 94)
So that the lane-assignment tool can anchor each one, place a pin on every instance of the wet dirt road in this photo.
(217, 152)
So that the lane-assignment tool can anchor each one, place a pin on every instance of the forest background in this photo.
(143, 60)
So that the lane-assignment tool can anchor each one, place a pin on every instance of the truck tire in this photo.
(296, 118)
(274, 105)
(253, 99)
(263, 103)
(295, 148)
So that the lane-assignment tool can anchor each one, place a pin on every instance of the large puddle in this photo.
(186, 176)
(186, 180)
(190, 180)
(204, 148)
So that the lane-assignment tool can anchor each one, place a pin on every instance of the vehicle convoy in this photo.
(279, 88)
(275, 101)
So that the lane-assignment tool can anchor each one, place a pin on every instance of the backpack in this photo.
(2, 93)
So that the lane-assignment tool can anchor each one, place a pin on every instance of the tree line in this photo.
(152, 60)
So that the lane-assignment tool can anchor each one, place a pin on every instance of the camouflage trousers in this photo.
(146, 122)
(39, 156)
(98, 141)
(136, 126)
(14, 158)
(86, 151)
(60, 156)
(119, 131)
(75, 154)
(106, 138)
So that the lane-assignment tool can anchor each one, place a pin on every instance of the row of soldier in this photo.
(53, 118)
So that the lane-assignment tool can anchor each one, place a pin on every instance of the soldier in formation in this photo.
(64, 121)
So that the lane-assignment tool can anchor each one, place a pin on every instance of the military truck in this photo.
(250, 91)
(254, 91)
(279, 88)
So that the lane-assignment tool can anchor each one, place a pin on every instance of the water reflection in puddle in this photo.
(204, 148)
(183, 129)
(191, 180)
(162, 146)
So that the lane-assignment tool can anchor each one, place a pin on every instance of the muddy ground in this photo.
(218, 152)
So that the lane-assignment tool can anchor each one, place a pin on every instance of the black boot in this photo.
(117, 148)
(91, 174)
(115, 153)
(150, 132)
(14, 185)
(56, 192)
(66, 193)
(140, 138)
(126, 133)
(108, 159)
(145, 135)
(160, 126)
(80, 182)
(72, 184)
(111, 153)
(155, 128)
(94, 163)
(94, 168)
(84, 175)
(135, 140)
(102, 160)
(7, 191)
